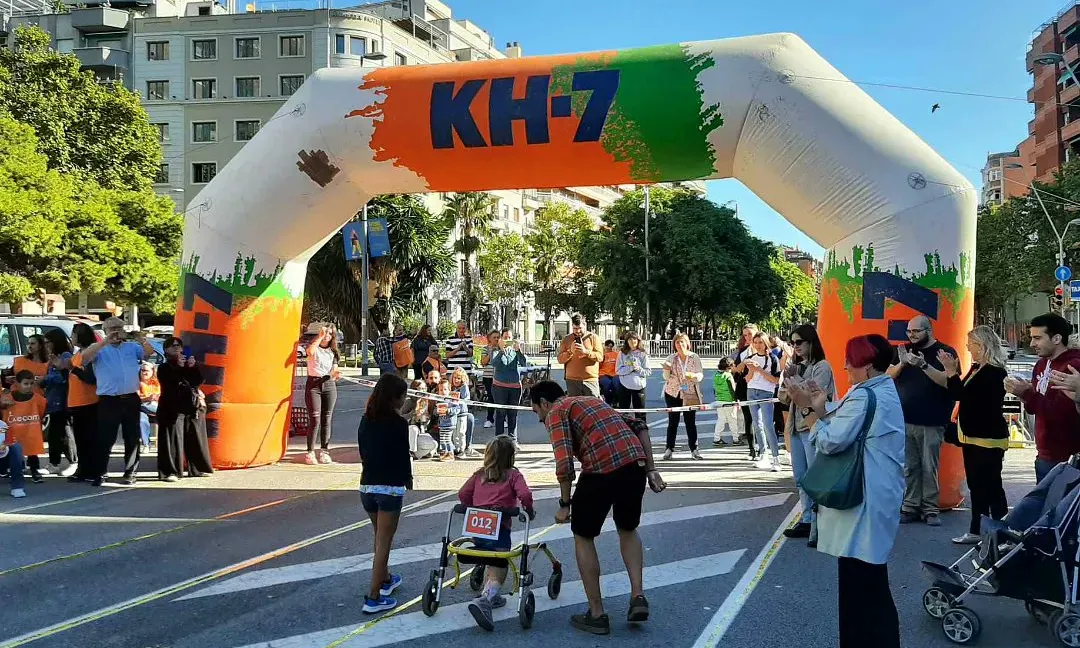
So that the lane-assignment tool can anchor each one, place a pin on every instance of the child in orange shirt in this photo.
(24, 412)
(609, 383)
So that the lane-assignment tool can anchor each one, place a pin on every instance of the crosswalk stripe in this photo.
(405, 555)
(415, 625)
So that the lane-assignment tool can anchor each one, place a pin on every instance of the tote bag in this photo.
(691, 396)
(836, 481)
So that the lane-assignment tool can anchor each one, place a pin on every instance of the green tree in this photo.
(505, 269)
(81, 124)
(556, 245)
(64, 233)
(800, 302)
(471, 213)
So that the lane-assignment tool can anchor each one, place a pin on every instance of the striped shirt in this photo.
(587, 428)
(464, 361)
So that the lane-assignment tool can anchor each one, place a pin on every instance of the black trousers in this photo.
(182, 443)
(983, 468)
(690, 418)
(748, 418)
(632, 399)
(61, 439)
(488, 384)
(866, 609)
(84, 427)
(321, 396)
(118, 413)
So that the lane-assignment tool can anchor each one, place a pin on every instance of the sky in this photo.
(975, 46)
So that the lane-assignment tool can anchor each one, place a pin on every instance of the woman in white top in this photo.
(763, 375)
(682, 373)
(632, 368)
(321, 392)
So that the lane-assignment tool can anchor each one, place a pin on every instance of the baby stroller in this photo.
(464, 552)
(1031, 556)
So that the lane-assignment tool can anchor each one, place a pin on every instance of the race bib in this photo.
(481, 523)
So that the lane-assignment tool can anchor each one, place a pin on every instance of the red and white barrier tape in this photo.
(705, 407)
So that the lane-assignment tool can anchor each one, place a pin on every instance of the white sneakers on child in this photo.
(18, 493)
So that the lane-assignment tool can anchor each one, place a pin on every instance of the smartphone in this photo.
(187, 351)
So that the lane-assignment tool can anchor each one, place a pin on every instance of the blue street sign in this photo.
(1063, 273)
(1075, 289)
(353, 234)
(378, 238)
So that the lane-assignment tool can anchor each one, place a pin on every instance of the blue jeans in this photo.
(802, 455)
(1043, 468)
(14, 464)
(470, 422)
(761, 415)
(506, 419)
(144, 421)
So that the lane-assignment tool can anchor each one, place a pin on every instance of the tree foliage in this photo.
(65, 233)
(81, 125)
(505, 269)
(800, 302)
(704, 263)
(471, 213)
(557, 246)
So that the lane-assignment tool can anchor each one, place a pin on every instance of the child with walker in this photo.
(498, 486)
(727, 431)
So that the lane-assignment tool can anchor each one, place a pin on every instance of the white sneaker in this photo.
(310, 459)
(667, 455)
(17, 493)
(967, 539)
(764, 463)
(517, 446)
(70, 470)
(785, 458)
(488, 425)
(696, 454)
(324, 457)
(43, 470)
(775, 464)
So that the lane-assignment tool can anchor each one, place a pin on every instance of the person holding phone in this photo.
(763, 375)
(507, 360)
(321, 392)
(580, 353)
(682, 374)
(181, 416)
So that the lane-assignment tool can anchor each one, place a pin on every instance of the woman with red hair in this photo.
(862, 537)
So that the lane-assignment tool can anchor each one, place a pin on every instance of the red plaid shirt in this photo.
(587, 428)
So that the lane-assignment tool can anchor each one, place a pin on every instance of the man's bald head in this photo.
(920, 331)
(920, 322)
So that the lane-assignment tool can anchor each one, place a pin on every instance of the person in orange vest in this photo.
(24, 412)
(609, 381)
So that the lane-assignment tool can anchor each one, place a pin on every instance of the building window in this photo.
(995, 174)
(204, 131)
(204, 11)
(163, 132)
(65, 45)
(162, 175)
(247, 48)
(357, 46)
(246, 129)
(157, 51)
(517, 215)
(400, 59)
(157, 90)
(247, 87)
(290, 83)
(204, 50)
(506, 212)
(292, 46)
(339, 43)
(464, 267)
(204, 88)
(203, 172)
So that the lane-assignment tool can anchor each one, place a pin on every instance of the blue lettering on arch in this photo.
(452, 113)
(203, 342)
(879, 286)
(503, 109)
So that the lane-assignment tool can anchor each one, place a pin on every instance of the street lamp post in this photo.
(648, 318)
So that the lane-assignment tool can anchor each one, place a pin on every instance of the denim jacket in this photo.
(505, 362)
(56, 388)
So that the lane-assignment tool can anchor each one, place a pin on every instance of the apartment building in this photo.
(1053, 52)
(1008, 174)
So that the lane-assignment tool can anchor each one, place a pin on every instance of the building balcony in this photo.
(1070, 131)
(100, 19)
(1070, 94)
(103, 59)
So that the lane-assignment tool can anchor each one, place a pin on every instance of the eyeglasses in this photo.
(797, 342)
(918, 330)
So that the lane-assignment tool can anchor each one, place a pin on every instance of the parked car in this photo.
(15, 331)
(1009, 352)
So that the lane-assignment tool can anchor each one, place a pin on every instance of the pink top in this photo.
(497, 495)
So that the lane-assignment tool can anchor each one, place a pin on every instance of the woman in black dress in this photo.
(181, 417)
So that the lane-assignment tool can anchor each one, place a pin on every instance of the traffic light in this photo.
(1057, 300)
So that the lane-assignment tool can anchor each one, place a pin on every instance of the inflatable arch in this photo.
(897, 220)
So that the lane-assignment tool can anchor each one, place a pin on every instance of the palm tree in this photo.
(471, 213)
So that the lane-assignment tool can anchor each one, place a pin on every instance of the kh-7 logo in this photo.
(452, 104)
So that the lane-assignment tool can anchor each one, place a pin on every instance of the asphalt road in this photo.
(278, 557)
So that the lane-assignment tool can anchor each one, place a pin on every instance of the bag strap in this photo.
(871, 410)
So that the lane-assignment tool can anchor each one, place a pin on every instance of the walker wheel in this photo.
(961, 625)
(527, 609)
(476, 578)
(1066, 629)
(937, 602)
(554, 585)
(429, 602)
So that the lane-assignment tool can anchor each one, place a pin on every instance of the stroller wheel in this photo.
(961, 625)
(429, 602)
(1066, 629)
(527, 609)
(554, 585)
(937, 602)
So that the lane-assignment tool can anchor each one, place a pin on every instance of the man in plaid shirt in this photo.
(615, 454)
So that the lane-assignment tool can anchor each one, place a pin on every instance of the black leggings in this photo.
(632, 399)
(61, 439)
(321, 396)
(690, 418)
(490, 398)
(748, 419)
(983, 468)
(866, 608)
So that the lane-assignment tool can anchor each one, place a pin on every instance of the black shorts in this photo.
(620, 492)
(378, 502)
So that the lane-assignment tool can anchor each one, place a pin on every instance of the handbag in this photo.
(691, 397)
(836, 481)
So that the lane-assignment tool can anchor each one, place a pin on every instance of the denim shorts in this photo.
(502, 544)
(376, 502)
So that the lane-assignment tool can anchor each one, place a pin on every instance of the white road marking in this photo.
(353, 564)
(37, 518)
(67, 500)
(737, 597)
(451, 618)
